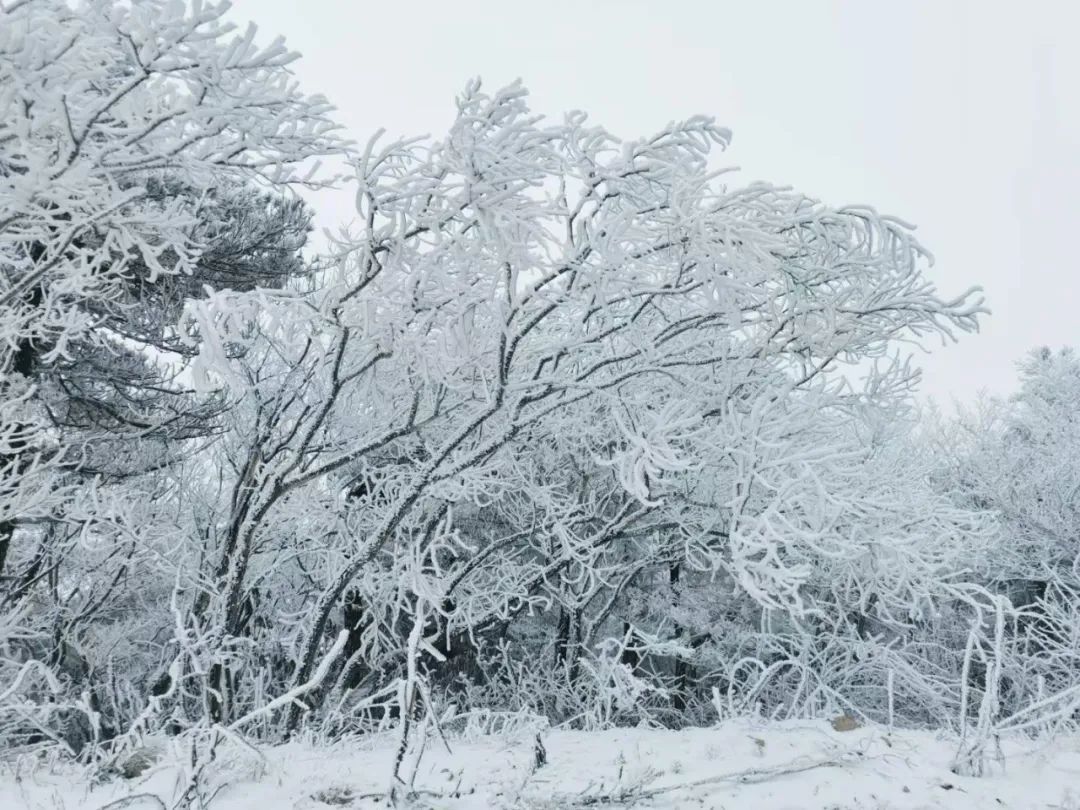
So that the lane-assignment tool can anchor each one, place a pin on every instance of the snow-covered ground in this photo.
(740, 764)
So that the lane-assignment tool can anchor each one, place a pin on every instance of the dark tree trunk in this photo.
(682, 669)
(24, 362)
(568, 642)
(562, 638)
(630, 657)
(354, 612)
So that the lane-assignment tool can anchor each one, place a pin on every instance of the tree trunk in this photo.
(629, 657)
(24, 362)
(682, 667)
(562, 637)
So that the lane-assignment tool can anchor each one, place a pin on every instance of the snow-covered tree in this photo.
(561, 423)
(1015, 458)
(524, 286)
(140, 144)
(102, 103)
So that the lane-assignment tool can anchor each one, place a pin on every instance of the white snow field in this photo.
(765, 766)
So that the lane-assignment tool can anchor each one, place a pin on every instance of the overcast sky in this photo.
(962, 117)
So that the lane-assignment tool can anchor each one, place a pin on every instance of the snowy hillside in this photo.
(563, 441)
(804, 765)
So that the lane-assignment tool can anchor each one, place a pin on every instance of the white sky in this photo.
(962, 117)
